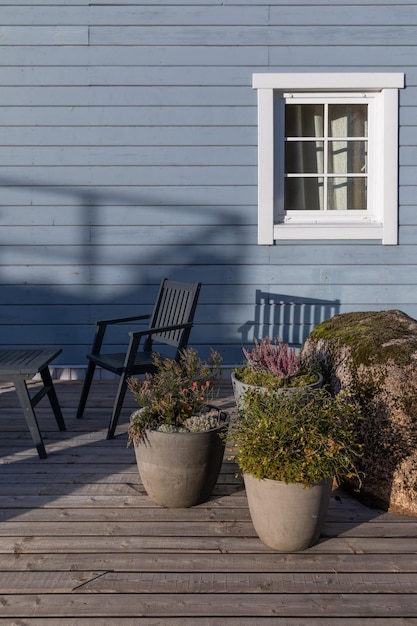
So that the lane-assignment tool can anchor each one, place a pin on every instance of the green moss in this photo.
(374, 337)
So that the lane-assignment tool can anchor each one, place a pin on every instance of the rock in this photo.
(374, 355)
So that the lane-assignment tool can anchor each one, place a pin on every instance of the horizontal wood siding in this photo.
(128, 152)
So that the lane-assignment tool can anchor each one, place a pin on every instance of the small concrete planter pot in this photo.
(239, 388)
(180, 469)
(288, 517)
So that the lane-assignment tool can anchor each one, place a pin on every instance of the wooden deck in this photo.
(81, 543)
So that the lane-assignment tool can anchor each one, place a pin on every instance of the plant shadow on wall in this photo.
(119, 247)
(291, 318)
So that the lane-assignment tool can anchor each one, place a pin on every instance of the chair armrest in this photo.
(101, 328)
(120, 320)
(161, 329)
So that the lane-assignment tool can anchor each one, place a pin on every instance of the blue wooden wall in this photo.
(128, 152)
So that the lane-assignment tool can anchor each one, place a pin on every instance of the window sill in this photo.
(339, 230)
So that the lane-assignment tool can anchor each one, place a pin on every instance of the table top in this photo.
(25, 362)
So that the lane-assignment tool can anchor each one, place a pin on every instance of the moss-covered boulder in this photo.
(374, 355)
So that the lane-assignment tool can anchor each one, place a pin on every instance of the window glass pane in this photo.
(304, 194)
(347, 157)
(345, 194)
(348, 120)
(304, 157)
(304, 120)
(326, 167)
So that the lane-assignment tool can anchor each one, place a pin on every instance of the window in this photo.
(327, 156)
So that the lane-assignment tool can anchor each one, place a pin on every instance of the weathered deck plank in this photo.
(81, 543)
(204, 582)
(224, 621)
(220, 605)
(208, 621)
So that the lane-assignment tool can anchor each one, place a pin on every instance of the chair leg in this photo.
(47, 381)
(86, 389)
(30, 417)
(121, 392)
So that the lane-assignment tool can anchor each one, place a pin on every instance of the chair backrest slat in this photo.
(176, 304)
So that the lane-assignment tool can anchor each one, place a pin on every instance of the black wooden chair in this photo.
(170, 324)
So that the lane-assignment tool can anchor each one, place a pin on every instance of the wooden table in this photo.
(20, 365)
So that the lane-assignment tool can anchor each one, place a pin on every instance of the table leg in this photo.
(30, 417)
(53, 399)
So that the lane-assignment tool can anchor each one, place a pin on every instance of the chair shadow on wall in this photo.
(290, 318)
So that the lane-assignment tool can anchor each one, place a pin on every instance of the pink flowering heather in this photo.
(275, 357)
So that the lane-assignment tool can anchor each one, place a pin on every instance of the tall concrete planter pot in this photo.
(180, 469)
(290, 447)
(177, 431)
(287, 517)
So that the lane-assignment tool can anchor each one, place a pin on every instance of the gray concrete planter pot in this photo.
(180, 469)
(239, 388)
(287, 517)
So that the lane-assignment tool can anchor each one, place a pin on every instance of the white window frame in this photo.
(381, 220)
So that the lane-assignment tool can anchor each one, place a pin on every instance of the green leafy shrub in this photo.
(298, 436)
